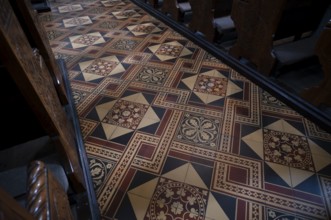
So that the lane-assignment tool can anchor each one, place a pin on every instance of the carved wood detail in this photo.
(38, 89)
(37, 33)
(46, 198)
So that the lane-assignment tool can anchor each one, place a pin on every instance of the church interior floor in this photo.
(171, 132)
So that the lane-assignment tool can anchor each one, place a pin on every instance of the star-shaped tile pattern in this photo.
(120, 117)
(180, 192)
(211, 86)
(143, 29)
(170, 50)
(85, 40)
(72, 22)
(101, 67)
(287, 151)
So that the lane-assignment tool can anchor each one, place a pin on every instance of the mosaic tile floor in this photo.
(173, 133)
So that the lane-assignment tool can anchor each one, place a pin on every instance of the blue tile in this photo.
(150, 129)
(140, 178)
(97, 81)
(247, 129)
(124, 139)
(99, 133)
(125, 210)
(326, 171)
(266, 120)
(228, 204)
(271, 176)
(298, 125)
(219, 103)
(93, 115)
(311, 185)
(204, 172)
(149, 97)
(79, 77)
(323, 144)
(246, 151)
(171, 164)
(159, 111)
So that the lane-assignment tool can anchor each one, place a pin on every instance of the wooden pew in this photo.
(256, 21)
(154, 3)
(176, 8)
(211, 18)
(259, 23)
(321, 94)
(31, 75)
(38, 39)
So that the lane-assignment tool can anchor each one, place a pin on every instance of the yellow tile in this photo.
(178, 174)
(145, 190)
(194, 179)
(103, 109)
(139, 205)
(214, 210)
(282, 171)
(108, 130)
(298, 176)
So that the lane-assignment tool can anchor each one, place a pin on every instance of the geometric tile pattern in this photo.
(111, 3)
(89, 39)
(171, 132)
(143, 29)
(70, 8)
(199, 130)
(72, 22)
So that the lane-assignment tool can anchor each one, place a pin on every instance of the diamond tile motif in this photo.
(177, 199)
(70, 8)
(101, 67)
(211, 86)
(72, 22)
(126, 14)
(289, 152)
(85, 40)
(287, 149)
(111, 3)
(174, 195)
(143, 29)
(169, 50)
(126, 114)
(172, 132)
